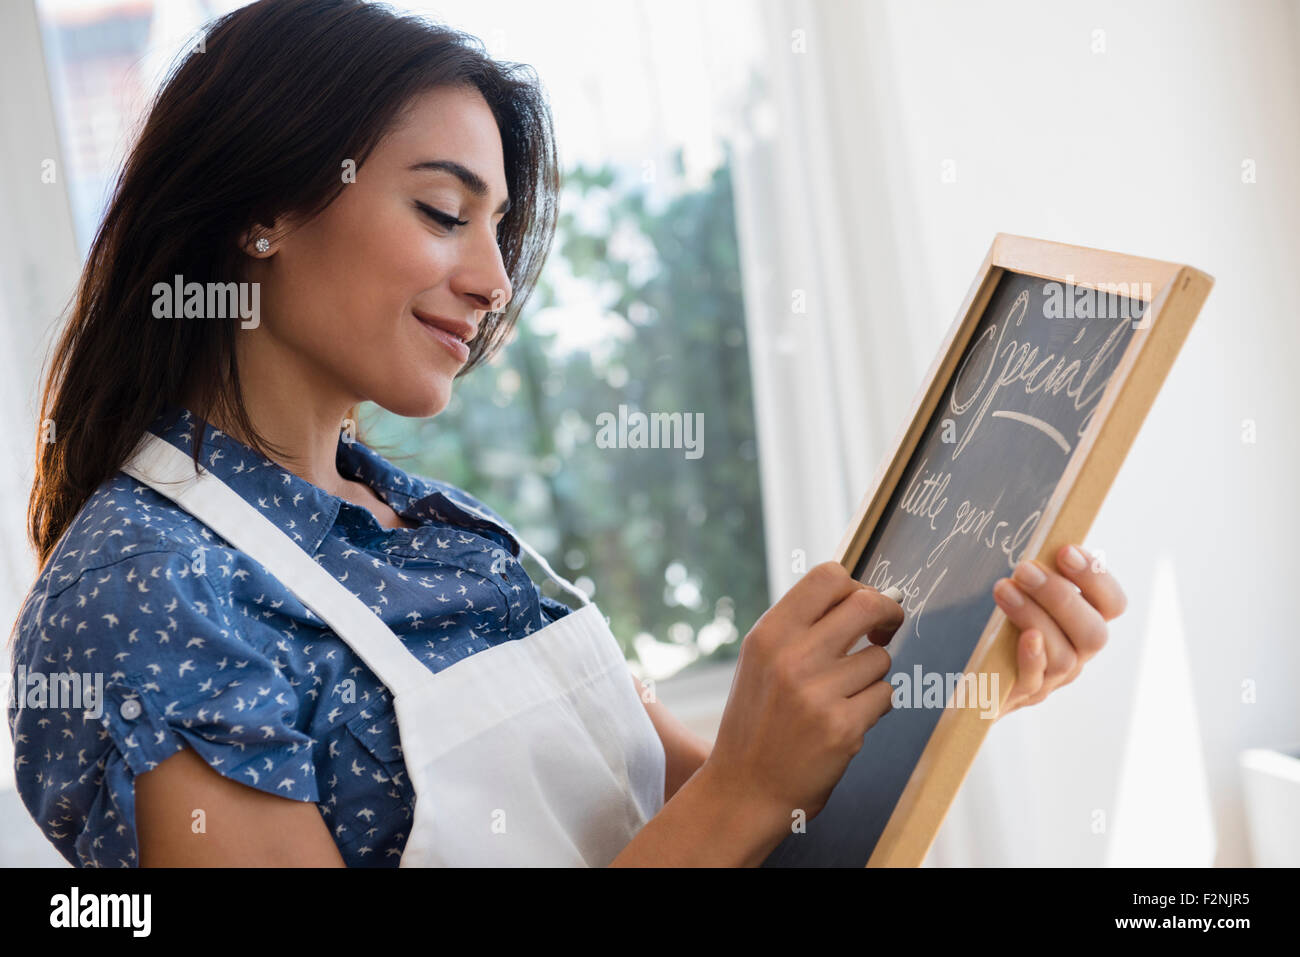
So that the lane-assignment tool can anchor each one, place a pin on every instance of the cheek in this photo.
(350, 282)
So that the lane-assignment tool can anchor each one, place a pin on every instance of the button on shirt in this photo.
(199, 646)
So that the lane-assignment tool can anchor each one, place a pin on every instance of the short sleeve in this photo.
(165, 668)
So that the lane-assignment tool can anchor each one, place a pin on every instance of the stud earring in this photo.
(262, 244)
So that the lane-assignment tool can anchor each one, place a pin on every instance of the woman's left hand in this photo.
(1061, 625)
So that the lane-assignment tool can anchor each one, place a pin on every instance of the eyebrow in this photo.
(472, 181)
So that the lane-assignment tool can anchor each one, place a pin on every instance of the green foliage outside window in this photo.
(672, 544)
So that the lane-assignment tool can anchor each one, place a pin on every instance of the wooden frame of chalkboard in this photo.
(1172, 295)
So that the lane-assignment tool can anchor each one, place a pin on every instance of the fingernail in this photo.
(1074, 559)
(1030, 574)
(1009, 593)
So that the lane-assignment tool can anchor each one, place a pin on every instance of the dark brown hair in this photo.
(254, 122)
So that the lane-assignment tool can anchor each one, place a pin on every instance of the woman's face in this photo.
(340, 293)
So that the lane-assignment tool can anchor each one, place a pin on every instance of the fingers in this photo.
(1099, 588)
(1026, 613)
(822, 588)
(1031, 662)
(870, 704)
(860, 612)
(1076, 618)
(852, 673)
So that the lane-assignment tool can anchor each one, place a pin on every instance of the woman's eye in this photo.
(444, 220)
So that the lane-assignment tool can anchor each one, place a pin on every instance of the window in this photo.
(639, 311)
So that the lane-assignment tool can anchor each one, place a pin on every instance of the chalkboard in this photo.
(1006, 427)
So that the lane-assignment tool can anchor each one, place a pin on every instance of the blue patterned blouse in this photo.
(197, 645)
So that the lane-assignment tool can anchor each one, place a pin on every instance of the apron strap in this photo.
(563, 582)
(169, 471)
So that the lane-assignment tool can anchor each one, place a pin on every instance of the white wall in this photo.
(1138, 149)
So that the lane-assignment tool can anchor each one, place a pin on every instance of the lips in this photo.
(462, 329)
(448, 334)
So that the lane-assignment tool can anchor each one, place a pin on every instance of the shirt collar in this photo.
(306, 512)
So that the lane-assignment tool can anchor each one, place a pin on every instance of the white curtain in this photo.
(891, 142)
(38, 271)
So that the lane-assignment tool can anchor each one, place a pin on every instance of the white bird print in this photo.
(286, 784)
(252, 774)
(111, 619)
(356, 768)
(366, 813)
(186, 665)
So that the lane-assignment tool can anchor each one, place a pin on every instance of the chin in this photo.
(420, 405)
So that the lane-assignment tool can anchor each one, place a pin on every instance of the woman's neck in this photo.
(305, 439)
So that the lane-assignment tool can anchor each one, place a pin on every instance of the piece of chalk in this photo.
(893, 592)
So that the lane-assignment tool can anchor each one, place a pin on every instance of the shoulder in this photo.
(122, 519)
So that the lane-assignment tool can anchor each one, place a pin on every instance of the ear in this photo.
(272, 234)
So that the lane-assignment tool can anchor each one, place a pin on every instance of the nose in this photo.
(482, 277)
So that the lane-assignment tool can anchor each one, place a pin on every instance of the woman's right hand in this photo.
(799, 706)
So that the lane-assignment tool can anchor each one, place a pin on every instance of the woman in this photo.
(384, 194)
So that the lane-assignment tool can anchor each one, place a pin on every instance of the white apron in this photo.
(536, 752)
